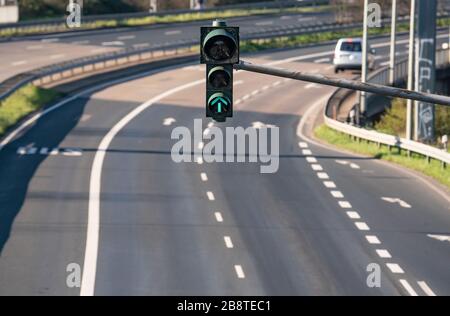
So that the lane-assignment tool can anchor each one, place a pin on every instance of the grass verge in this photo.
(23, 102)
(150, 20)
(415, 162)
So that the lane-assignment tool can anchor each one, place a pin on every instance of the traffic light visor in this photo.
(219, 45)
(219, 78)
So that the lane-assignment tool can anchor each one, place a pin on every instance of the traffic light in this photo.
(219, 51)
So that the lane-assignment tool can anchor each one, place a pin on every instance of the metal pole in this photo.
(363, 96)
(409, 105)
(345, 83)
(393, 42)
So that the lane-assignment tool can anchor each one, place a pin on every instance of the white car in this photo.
(348, 55)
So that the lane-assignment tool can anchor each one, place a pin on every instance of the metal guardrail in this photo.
(45, 24)
(382, 77)
(49, 73)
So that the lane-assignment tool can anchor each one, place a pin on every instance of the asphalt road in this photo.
(93, 183)
(27, 53)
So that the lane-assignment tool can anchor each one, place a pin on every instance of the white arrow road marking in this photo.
(169, 121)
(259, 125)
(396, 200)
(347, 163)
(440, 237)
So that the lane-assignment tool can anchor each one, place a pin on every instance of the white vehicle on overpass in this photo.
(348, 55)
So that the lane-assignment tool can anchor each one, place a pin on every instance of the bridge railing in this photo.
(382, 77)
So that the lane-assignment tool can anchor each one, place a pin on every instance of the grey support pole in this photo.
(363, 96)
(393, 42)
(410, 103)
(345, 83)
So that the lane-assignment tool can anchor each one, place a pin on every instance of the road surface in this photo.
(312, 228)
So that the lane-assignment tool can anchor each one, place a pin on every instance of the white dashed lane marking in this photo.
(362, 226)
(345, 204)
(395, 268)
(353, 215)
(424, 286)
(219, 217)
(203, 176)
(228, 242)
(307, 152)
(371, 239)
(68, 152)
(210, 196)
(329, 184)
(311, 159)
(408, 287)
(383, 253)
(239, 271)
(337, 194)
(323, 175)
(303, 145)
(317, 167)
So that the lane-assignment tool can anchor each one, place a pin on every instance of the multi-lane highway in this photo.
(28, 53)
(92, 182)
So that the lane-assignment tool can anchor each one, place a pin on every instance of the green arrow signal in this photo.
(219, 99)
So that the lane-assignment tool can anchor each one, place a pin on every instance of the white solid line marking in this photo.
(35, 47)
(19, 63)
(337, 194)
(322, 60)
(265, 88)
(245, 97)
(255, 92)
(395, 268)
(126, 37)
(57, 56)
(303, 145)
(307, 152)
(264, 23)
(323, 175)
(210, 196)
(329, 184)
(200, 160)
(219, 217)
(93, 226)
(175, 32)
(383, 253)
(239, 271)
(345, 204)
(312, 86)
(311, 159)
(362, 226)
(396, 200)
(49, 40)
(203, 176)
(424, 286)
(141, 45)
(440, 237)
(84, 42)
(228, 242)
(238, 82)
(373, 240)
(354, 166)
(317, 167)
(408, 287)
(353, 215)
(276, 83)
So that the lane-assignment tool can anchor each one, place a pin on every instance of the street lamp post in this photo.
(409, 105)
(393, 42)
(363, 95)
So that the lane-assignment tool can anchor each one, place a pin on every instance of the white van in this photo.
(348, 55)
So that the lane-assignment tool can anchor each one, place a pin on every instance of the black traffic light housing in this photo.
(219, 51)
